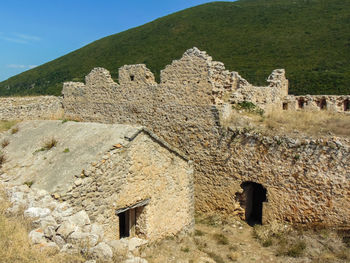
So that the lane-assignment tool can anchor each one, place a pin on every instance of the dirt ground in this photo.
(232, 240)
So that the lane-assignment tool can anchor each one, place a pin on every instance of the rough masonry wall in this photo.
(307, 181)
(29, 108)
(144, 170)
(330, 103)
(184, 109)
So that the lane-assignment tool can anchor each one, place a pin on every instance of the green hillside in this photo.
(309, 38)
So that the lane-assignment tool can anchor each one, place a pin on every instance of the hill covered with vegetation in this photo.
(309, 38)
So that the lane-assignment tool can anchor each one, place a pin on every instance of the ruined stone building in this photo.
(126, 179)
(236, 172)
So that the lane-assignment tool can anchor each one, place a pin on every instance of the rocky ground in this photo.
(56, 227)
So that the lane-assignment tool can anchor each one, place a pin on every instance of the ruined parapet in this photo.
(99, 77)
(187, 80)
(336, 104)
(267, 98)
(278, 80)
(136, 75)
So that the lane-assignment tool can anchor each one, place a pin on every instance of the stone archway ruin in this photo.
(251, 200)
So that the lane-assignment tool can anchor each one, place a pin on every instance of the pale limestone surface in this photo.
(55, 170)
(107, 168)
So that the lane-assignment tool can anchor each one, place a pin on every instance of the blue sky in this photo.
(33, 32)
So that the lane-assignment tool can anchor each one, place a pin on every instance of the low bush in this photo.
(5, 143)
(221, 239)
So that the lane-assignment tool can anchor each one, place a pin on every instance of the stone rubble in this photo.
(56, 226)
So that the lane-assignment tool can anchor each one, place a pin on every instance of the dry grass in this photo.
(2, 159)
(15, 246)
(5, 142)
(310, 123)
(318, 245)
(6, 125)
(14, 130)
(50, 143)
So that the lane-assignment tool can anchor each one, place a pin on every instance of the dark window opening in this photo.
(346, 105)
(124, 229)
(132, 220)
(253, 196)
(132, 77)
(323, 104)
(285, 106)
(301, 103)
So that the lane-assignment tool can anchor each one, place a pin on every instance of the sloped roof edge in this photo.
(159, 141)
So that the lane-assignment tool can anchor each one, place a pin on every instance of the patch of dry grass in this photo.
(311, 123)
(5, 142)
(2, 159)
(6, 125)
(50, 143)
(15, 246)
(14, 130)
(318, 245)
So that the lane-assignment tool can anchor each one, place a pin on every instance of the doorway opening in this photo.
(253, 196)
(301, 103)
(346, 105)
(322, 104)
(132, 220)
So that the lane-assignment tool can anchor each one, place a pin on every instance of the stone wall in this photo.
(144, 171)
(317, 102)
(28, 108)
(305, 182)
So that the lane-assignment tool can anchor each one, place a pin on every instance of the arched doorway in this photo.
(253, 196)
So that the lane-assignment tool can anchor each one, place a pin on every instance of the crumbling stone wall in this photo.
(28, 108)
(317, 103)
(305, 182)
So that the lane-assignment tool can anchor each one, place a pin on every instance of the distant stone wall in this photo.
(317, 102)
(29, 108)
(305, 182)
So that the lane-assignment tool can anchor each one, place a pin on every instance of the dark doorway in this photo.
(346, 105)
(301, 103)
(124, 229)
(254, 195)
(323, 104)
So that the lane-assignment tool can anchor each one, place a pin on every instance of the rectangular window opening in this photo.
(131, 220)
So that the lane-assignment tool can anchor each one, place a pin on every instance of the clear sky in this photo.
(33, 32)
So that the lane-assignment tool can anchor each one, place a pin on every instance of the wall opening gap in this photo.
(301, 103)
(132, 220)
(323, 104)
(346, 105)
(252, 199)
